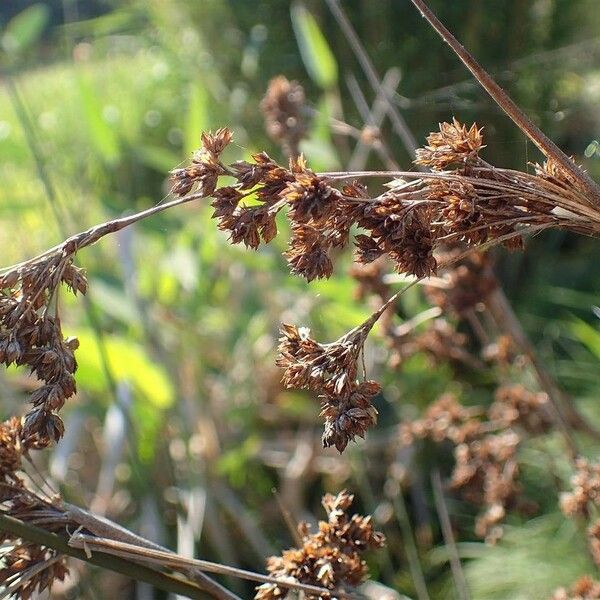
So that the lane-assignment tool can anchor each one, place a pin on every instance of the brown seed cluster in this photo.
(585, 492)
(332, 557)
(593, 533)
(515, 406)
(31, 334)
(27, 567)
(463, 200)
(485, 449)
(331, 371)
(468, 282)
(283, 109)
(453, 145)
(585, 588)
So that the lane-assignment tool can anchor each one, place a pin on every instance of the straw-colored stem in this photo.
(503, 100)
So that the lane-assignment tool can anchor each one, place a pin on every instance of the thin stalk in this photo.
(460, 581)
(91, 543)
(396, 118)
(503, 100)
(412, 554)
(162, 581)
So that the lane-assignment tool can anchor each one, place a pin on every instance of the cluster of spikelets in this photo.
(31, 335)
(27, 568)
(331, 371)
(332, 557)
(462, 200)
(485, 447)
(583, 501)
(585, 588)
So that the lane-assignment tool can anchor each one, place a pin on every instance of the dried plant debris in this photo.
(485, 448)
(332, 557)
(585, 588)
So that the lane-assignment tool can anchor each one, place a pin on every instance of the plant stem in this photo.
(457, 572)
(503, 100)
(126, 567)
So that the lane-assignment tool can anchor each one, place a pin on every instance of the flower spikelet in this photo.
(454, 144)
(283, 107)
(332, 557)
(205, 167)
(331, 371)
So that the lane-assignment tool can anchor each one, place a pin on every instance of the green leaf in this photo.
(197, 116)
(103, 137)
(25, 29)
(588, 336)
(314, 49)
(127, 362)
(156, 157)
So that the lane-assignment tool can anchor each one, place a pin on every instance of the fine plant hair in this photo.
(425, 224)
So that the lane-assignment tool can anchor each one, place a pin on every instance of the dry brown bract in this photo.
(332, 557)
(585, 588)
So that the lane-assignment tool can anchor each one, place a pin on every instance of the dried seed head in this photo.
(205, 167)
(283, 108)
(516, 406)
(585, 588)
(453, 145)
(330, 558)
(331, 371)
(11, 448)
(311, 198)
(307, 254)
(585, 492)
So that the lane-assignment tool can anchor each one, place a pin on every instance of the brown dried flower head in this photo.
(283, 109)
(514, 405)
(585, 492)
(585, 588)
(454, 144)
(331, 371)
(332, 557)
(31, 334)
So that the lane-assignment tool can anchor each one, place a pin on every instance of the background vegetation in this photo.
(181, 429)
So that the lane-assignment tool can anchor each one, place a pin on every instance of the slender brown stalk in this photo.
(126, 567)
(442, 510)
(503, 100)
(396, 118)
(91, 544)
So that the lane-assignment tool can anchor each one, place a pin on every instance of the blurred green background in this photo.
(180, 429)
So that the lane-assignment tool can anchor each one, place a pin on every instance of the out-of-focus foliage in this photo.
(100, 100)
